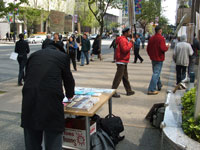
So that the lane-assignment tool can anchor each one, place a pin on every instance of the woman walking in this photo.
(96, 48)
(71, 47)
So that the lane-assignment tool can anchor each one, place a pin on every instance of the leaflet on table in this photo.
(83, 103)
(91, 91)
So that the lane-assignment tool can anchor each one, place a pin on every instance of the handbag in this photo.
(13, 56)
(113, 126)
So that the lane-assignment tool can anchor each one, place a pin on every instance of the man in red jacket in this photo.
(122, 56)
(156, 50)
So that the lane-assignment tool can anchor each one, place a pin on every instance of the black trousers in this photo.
(22, 60)
(34, 138)
(72, 56)
(121, 74)
(78, 54)
(180, 73)
(137, 55)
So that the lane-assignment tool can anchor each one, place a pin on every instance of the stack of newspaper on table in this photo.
(85, 98)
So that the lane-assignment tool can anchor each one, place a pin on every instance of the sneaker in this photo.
(183, 86)
(116, 95)
(81, 65)
(186, 80)
(130, 93)
(152, 93)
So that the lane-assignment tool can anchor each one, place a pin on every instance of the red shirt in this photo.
(122, 53)
(156, 48)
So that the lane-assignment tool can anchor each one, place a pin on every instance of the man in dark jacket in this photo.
(137, 49)
(114, 45)
(85, 50)
(47, 41)
(156, 50)
(122, 60)
(42, 108)
(22, 48)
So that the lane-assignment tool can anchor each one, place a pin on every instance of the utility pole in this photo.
(131, 12)
(193, 11)
(197, 105)
(14, 24)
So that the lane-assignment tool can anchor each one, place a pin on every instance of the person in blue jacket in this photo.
(71, 47)
(137, 49)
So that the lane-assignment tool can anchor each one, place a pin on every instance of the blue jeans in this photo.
(155, 80)
(33, 139)
(83, 56)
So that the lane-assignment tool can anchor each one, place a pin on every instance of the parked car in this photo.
(92, 37)
(36, 38)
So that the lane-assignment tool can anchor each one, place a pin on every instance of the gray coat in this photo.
(182, 52)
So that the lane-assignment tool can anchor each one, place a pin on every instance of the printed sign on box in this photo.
(75, 137)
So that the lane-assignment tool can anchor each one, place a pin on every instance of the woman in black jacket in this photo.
(96, 48)
(22, 48)
(71, 47)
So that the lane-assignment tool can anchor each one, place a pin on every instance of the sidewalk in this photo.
(139, 135)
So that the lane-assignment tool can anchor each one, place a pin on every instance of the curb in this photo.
(172, 132)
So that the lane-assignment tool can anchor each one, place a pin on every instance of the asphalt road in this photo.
(9, 68)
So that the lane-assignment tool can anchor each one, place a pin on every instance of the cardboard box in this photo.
(75, 133)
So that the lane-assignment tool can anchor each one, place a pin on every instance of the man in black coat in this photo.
(42, 108)
(47, 41)
(22, 48)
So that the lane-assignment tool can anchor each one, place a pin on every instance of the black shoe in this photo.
(130, 93)
(20, 84)
(81, 65)
(141, 61)
(160, 88)
(116, 95)
(87, 64)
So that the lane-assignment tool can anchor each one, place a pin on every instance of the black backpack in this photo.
(101, 141)
(113, 126)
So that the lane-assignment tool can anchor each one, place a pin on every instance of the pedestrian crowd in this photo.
(48, 70)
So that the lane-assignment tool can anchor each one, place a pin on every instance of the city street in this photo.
(139, 134)
(9, 68)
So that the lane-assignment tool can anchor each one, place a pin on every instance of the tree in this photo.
(11, 7)
(99, 9)
(31, 17)
(86, 18)
(150, 11)
(164, 23)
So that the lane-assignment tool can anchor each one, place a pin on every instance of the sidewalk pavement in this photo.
(4, 42)
(139, 135)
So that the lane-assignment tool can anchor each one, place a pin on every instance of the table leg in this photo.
(110, 107)
(87, 124)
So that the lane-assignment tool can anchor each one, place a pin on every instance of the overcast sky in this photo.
(170, 10)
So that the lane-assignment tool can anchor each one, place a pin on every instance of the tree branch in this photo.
(95, 15)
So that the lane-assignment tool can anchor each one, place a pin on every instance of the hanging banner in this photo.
(10, 17)
(138, 7)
